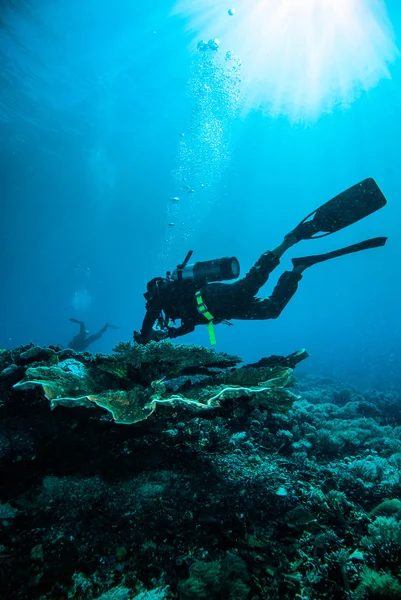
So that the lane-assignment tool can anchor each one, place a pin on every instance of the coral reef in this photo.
(85, 380)
(174, 472)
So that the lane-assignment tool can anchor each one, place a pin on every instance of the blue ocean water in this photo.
(106, 107)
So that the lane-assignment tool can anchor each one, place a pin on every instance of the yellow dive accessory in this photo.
(203, 310)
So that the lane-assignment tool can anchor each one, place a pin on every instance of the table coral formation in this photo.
(81, 379)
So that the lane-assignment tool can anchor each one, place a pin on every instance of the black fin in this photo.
(308, 261)
(355, 203)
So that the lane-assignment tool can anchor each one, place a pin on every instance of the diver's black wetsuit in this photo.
(238, 300)
(171, 299)
(224, 301)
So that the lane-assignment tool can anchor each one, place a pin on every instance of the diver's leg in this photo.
(96, 336)
(257, 276)
(287, 285)
(82, 328)
(271, 308)
(231, 301)
(259, 273)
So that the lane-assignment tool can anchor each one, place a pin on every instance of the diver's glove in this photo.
(186, 327)
(172, 332)
(138, 338)
(156, 335)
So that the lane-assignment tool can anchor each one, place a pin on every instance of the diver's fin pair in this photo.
(347, 208)
(308, 261)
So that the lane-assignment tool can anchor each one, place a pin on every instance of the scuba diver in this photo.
(83, 340)
(194, 294)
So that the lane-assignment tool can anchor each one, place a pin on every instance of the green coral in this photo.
(67, 379)
(171, 360)
(212, 580)
(113, 367)
(383, 530)
(213, 397)
(126, 407)
(272, 376)
(120, 382)
(377, 586)
(386, 508)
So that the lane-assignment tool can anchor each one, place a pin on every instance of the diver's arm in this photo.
(147, 332)
(186, 327)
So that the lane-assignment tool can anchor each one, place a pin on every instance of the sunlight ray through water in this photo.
(301, 58)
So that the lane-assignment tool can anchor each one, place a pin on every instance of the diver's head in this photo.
(154, 287)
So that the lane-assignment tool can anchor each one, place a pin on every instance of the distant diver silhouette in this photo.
(191, 293)
(83, 340)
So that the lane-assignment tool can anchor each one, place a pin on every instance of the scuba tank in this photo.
(219, 269)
